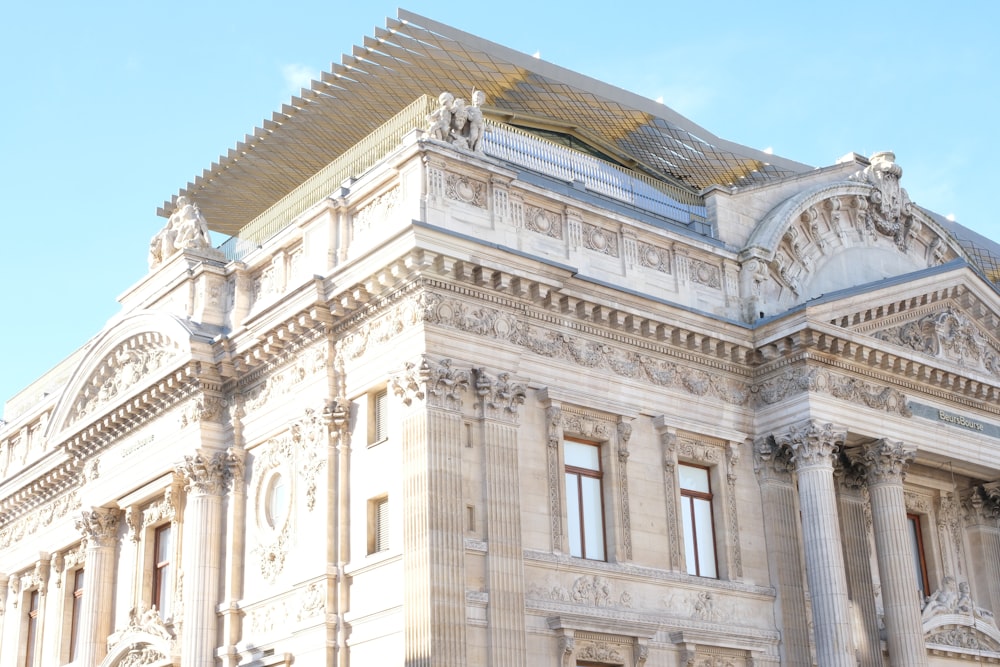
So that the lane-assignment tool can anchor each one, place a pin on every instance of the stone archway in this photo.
(839, 235)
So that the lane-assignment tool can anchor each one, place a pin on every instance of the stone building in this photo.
(532, 371)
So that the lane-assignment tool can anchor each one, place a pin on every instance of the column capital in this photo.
(884, 460)
(497, 397)
(98, 526)
(436, 381)
(771, 460)
(812, 443)
(209, 473)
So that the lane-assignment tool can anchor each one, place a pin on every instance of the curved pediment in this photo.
(134, 353)
(962, 633)
(838, 235)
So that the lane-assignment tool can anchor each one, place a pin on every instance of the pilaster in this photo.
(813, 447)
(885, 462)
(773, 466)
(982, 511)
(99, 530)
(498, 401)
(433, 542)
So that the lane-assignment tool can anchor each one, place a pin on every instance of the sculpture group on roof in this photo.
(185, 229)
(456, 122)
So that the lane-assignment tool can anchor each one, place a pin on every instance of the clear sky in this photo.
(111, 107)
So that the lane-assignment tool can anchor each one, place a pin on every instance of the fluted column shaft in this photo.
(886, 464)
(433, 535)
(206, 477)
(983, 529)
(813, 446)
(784, 562)
(99, 527)
(497, 401)
(857, 561)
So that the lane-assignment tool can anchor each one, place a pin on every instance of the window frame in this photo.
(161, 586)
(74, 599)
(687, 509)
(919, 548)
(378, 416)
(32, 616)
(379, 538)
(581, 515)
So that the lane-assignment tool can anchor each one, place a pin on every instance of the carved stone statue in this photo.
(456, 122)
(943, 601)
(439, 120)
(186, 228)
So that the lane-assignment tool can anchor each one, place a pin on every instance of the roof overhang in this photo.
(414, 56)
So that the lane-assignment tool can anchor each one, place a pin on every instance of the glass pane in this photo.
(706, 544)
(164, 591)
(693, 479)
(276, 506)
(163, 544)
(593, 518)
(690, 555)
(582, 455)
(915, 548)
(573, 515)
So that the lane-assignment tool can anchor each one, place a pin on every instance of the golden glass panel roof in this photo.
(413, 56)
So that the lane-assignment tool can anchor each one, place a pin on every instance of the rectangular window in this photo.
(378, 525)
(584, 500)
(162, 570)
(380, 416)
(76, 606)
(31, 630)
(919, 562)
(697, 519)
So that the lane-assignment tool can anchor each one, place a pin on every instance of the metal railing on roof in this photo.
(503, 142)
(353, 162)
(598, 176)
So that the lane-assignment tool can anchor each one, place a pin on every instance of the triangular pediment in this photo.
(947, 317)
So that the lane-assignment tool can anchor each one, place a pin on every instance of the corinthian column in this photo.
(433, 535)
(206, 476)
(773, 466)
(498, 401)
(813, 448)
(886, 463)
(99, 528)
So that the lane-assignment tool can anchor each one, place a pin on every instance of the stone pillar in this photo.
(99, 528)
(433, 512)
(982, 509)
(497, 403)
(886, 463)
(784, 563)
(813, 448)
(856, 519)
(206, 476)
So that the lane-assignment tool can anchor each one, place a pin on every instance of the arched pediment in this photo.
(834, 236)
(962, 633)
(126, 358)
(140, 649)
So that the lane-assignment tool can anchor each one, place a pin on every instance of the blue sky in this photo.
(111, 107)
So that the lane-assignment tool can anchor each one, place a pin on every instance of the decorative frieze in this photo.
(599, 240)
(822, 381)
(541, 221)
(39, 518)
(948, 334)
(305, 364)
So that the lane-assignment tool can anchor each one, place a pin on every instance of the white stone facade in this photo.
(349, 446)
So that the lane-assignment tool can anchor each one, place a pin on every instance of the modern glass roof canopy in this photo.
(415, 56)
